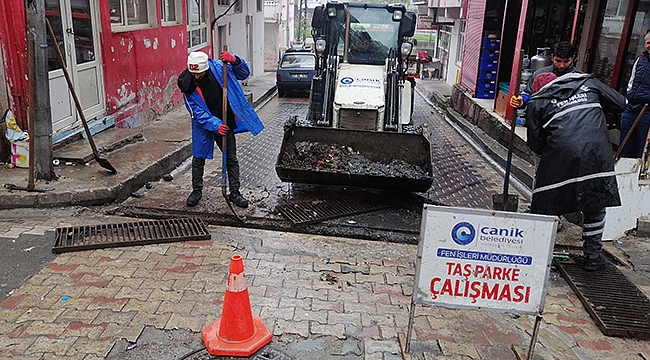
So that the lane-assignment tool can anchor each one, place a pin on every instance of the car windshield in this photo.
(302, 61)
(372, 33)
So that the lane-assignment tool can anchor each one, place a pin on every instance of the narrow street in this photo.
(462, 178)
(323, 297)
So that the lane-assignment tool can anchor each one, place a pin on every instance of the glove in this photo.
(223, 129)
(228, 57)
(516, 101)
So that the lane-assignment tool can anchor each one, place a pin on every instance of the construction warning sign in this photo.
(482, 259)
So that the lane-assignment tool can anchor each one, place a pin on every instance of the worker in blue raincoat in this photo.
(201, 84)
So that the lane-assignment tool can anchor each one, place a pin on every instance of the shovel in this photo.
(102, 162)
(224, 117)
(505, 201)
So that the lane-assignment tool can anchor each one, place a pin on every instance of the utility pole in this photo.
(42, 131)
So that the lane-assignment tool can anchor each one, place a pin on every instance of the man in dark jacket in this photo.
(638, 93)
(201, 84)
(562, 56)
(566, 127)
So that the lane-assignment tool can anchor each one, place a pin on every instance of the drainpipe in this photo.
(516, 58)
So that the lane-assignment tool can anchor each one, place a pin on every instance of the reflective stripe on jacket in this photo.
(566, 126)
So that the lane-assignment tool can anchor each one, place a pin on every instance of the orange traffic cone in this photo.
(237, 332)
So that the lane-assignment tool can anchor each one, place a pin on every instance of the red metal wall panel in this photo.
(472, 49)
(12, 40)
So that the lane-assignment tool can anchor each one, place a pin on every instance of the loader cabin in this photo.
(374, 31)
(361, 55)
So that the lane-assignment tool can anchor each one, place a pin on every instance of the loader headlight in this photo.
(331, 12)
(320, 46)
(397, 15)
(405, 49)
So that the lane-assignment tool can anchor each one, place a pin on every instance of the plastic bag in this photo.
(14, 133)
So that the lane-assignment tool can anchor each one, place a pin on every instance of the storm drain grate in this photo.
(128, 234)
(617, 306)
(266, 353)
(320, 210)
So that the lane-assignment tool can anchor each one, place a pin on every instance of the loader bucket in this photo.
(382, 160)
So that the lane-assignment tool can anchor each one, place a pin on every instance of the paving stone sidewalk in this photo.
(308, 286)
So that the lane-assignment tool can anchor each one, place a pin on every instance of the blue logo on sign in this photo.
(347, 80)
(463, 233)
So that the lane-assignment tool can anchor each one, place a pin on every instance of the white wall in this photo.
(244, 34)
(271, 45)
(453, 67)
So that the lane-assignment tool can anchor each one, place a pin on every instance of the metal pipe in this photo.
(346, 44)
(31, 64)
(533, 340)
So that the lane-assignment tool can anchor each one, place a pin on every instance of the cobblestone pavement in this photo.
(79, 305)
(82, 303)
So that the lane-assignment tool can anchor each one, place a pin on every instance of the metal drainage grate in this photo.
(617, 306)
(266, 353)
(128, 234)
(320, 210)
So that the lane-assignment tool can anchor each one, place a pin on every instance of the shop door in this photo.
(74, 25)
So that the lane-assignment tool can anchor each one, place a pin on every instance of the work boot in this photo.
(594, 264)
(194, 198)
(237, 199)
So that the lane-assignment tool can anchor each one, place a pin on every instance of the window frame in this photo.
(178, 13)
(152, 18)
(462, 26)
(204, 24)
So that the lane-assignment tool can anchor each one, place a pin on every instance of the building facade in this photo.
(124, 56)
(609, 35)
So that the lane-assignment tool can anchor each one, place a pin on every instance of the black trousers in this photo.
(232, 165)
(592, 233)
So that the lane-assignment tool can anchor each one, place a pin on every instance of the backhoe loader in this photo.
(358, 129)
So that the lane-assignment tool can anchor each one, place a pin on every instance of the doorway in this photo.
(75, 27)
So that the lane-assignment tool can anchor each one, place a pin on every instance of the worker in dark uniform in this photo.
(566, 127)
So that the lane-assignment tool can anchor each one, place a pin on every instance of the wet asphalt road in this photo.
(462, 178)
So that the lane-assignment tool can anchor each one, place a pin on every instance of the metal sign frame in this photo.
(460, 244)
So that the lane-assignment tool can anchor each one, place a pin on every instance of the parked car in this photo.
(295, 71)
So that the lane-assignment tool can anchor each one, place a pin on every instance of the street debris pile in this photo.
(315, 156)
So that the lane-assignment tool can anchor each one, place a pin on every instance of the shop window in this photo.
(610, 36)
(170, 12)
(444, 44)
(197, 24)
(129, 15)
(461, 42)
